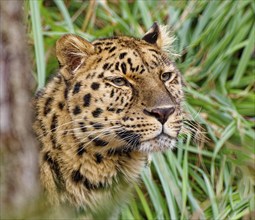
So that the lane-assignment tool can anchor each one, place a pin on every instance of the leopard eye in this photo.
(166, 76)
(119, 81)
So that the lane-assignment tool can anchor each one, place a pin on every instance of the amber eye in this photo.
(119, 81)
(165, 76)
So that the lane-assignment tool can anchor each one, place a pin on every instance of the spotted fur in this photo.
(113, 102)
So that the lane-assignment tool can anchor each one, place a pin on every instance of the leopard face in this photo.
(124, 94)
(113, 101)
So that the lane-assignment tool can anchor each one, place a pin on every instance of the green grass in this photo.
(208, 180)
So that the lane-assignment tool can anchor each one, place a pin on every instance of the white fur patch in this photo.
(160, 143)
(167, 40)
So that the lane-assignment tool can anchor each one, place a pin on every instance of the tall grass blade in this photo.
(38, 42)
(65, 13)
(245, 57)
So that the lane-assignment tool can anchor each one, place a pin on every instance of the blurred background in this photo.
(212, 178)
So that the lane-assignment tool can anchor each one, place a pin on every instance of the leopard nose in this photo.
(161, 114)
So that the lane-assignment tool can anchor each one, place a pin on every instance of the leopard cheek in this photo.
(119, 101)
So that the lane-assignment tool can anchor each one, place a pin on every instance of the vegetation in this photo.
(211, 179)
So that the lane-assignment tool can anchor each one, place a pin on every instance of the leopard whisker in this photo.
(129, 138)
(195, 133)
(71, 122)
(99, 135)
(101, 131)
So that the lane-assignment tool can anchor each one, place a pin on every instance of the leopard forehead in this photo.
(123, 51)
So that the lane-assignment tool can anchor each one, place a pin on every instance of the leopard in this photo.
(113, 102)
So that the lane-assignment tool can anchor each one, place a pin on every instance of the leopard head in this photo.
(123, 93)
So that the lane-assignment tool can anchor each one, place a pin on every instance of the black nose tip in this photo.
(161, 114)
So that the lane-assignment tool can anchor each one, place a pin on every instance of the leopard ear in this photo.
(72, 51)
(152, 35)
(159, 36)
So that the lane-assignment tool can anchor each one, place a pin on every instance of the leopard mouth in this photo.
(161, 142)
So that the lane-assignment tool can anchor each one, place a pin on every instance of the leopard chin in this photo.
(162, 142)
